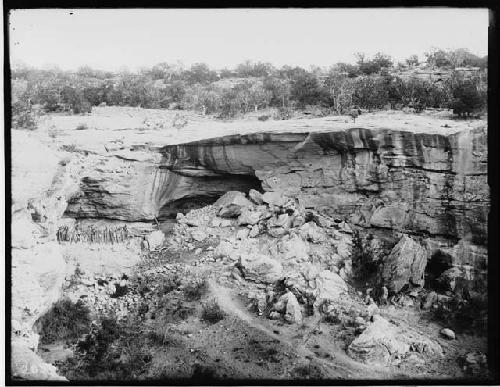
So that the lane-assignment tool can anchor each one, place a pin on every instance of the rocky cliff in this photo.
(429, 184)
(432, 184)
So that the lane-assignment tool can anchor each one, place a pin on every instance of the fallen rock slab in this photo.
(404, 265)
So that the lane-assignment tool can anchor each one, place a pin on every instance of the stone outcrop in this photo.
(405, 265)
(414, 182)
(425, 181)
(382, 343)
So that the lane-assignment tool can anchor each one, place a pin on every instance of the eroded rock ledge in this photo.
(423, 183)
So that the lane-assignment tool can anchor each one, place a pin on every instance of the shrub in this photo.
(195, 289)
(22, 116)
(467, 97)
(111, 350)
(66, 320)
(211, 312)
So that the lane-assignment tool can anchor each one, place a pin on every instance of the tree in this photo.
(249, 69)
(279, 90)
(340, 88)
(259, 96)
(306, 90)
(370, 92)
(382, 60)
(438, 58)
(200, 73)
(468, 95)
(412, 61)
(350, 70)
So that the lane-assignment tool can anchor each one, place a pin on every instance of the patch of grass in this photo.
(168, 284)
(110, 351)
(195, 289)
(212, 313)
(66, 320)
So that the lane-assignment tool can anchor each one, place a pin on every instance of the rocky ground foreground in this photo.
(304, 250)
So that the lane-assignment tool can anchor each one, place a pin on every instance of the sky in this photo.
(111, 39)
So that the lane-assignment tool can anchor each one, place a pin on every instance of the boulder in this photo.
(382, 343)
(242, 233)
(274, 315)
(274, 198)
(226, 249)
(312, 232)
(293, 313)
(231, 204)
(255, 196)
(261, 268)
(447, 333)
(329, 286)
(225, 223)
(155, 239)
(404, 265)
(198, 235)
(277, 232)
(27, 365)
(378, 344)
(293, 246)
(255, 230)
(249, 217)
(282, 220)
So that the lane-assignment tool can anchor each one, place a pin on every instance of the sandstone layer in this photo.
(412, 182)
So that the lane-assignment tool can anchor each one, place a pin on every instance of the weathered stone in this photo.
(404, 265)
(226, 249)
(231, 204)
(274, 315)
(225, 223)
(198, 235)
(277, 232)
(27, 365)
(254, 231)
(428, 182)
(312, 232)
(447, 333)
(155, 239)
(249, 217)
(293, 313)
(282, 220)
(242, 233)
(329, 286)
(293, 246)
(378, 344)
(274, 198)
(261, 268)
(255, 196)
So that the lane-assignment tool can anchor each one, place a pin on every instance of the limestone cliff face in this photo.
(423, 183)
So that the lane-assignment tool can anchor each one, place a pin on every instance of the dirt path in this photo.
(341, 366)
